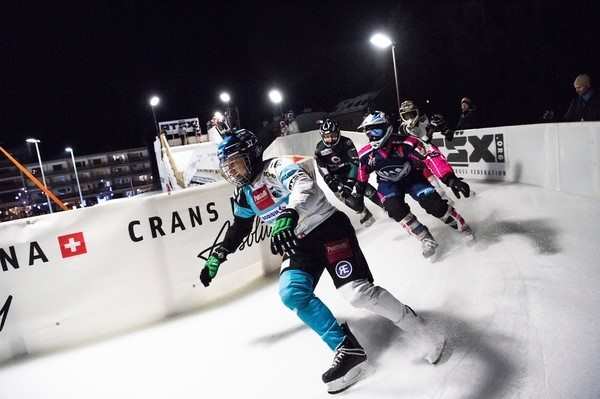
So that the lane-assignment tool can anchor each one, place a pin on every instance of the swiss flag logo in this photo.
(72, 244)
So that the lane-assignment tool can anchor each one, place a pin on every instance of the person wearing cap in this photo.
(469, 118)
(586, 105)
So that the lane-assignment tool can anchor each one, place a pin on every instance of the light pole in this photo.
(276, 98)
(226, 98)
(37, 149)
(383, 41)
(81, 202)
(154, 101)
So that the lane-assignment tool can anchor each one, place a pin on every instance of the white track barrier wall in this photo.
(558, 156)
(190, 159)
(87, 273)
(130, 274)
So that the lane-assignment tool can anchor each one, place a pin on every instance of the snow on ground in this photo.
(520, 306)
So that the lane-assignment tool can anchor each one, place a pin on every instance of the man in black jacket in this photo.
(469, 117)
(586, 106)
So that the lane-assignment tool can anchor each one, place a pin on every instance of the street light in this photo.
(81, 202)
(154, 100)
(276, 98)
(37, 149)
(383, 41)
(226, 98)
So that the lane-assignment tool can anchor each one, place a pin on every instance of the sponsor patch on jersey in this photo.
(262, 198)
(336, 159)
(338, 250)
(326, 151)
(394, 172)
(343, 269)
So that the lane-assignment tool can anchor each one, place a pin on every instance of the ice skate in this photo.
(349, 364)
(367, 218)
(431, 342)
(429, 245)
(467, 234)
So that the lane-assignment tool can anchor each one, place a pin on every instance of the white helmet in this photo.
(409, 113)
(377, 128)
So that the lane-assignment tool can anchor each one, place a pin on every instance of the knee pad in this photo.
(396, 208)
(433, 204)
(361, 293)
(295, 288)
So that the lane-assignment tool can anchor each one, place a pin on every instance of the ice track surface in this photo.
(521, 307)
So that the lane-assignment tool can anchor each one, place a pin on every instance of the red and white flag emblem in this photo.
(72, 244)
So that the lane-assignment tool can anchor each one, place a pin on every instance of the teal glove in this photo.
(211, 267)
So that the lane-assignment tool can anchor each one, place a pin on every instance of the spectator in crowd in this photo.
(548, 116)
(586, 105)
(469, 117)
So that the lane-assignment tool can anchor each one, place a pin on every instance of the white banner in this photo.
(87, 273)
(197, 162)
(476, 153)
(180, 126)
(558, 156)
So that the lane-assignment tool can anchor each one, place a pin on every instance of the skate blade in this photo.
(352, 377)
(433, 257)
(369, 222)
(433, 360)
(468, 238)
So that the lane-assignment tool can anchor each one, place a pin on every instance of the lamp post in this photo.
(226, 99)
(37, 149)
(154, 101)
(276, 98)
(70, 150)
(383, 41)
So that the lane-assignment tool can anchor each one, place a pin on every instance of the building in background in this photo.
(102, 176)
(350, 113)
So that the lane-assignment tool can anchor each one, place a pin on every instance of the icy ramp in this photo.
(520, 307)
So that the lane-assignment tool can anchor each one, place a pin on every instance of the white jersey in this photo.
(283, 184)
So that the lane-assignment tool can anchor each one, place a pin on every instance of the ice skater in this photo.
(313, 236)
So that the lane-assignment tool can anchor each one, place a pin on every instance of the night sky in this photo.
(81, 75)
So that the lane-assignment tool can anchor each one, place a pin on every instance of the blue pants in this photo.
(416, 186)
(296, 291)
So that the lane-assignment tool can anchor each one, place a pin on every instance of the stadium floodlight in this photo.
(225, 97)
(154, 100)
(275, 96)
(381, 40)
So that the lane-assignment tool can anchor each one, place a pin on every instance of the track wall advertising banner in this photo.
(87, 273)
(83, 274)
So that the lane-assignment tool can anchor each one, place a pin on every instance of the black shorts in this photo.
(332, 245)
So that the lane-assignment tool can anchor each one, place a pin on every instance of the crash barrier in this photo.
(183, 166)
(75, 276)
(80, 275)
(558, 156)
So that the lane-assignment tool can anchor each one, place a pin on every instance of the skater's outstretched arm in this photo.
(243, 218)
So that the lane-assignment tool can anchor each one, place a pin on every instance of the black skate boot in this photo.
(349, 364)
(366, 218)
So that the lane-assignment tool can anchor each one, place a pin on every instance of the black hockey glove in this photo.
(345, 188)
(283, 238)
(332, 182)
(458, 186)
(209, 271)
